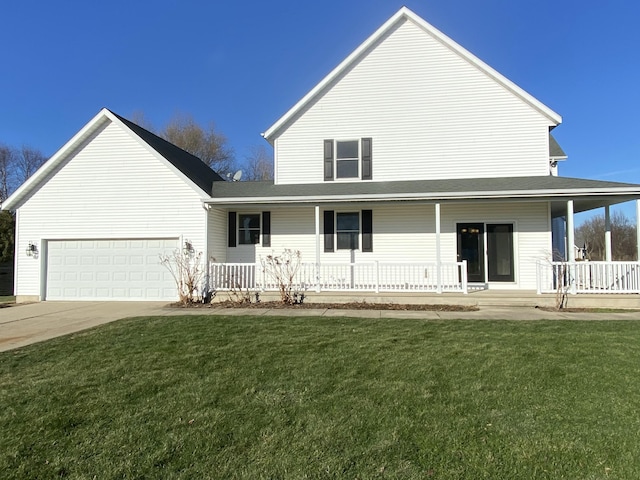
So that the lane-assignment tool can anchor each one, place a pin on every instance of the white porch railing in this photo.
(338, 277)
(589, 277)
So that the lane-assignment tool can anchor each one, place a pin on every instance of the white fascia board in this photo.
(42, 173)
(404, 12)
(513, 194)
(157, 155)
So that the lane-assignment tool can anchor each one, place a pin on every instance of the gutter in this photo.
(535, 194)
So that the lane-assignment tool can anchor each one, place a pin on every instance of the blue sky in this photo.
(242, 64)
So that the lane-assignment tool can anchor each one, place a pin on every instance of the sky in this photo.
(243, 64)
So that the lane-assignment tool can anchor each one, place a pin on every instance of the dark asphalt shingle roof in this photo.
(430, 188)
(194, 168)
(555, 150)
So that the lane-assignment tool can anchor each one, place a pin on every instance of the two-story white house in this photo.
(412, 166)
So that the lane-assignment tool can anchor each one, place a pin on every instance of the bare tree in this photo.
(28, 160)
(207, 144)
(139, 118)
(7, 234)
(7, 171)
(623, 237)
(259, 164)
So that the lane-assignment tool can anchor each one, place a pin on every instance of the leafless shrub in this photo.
(281, 270)
(563, 284)
(237, 294)
(187, 269)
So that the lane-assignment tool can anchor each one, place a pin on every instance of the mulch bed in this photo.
(335, 306)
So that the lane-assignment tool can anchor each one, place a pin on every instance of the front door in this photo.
(471, 249)
(500, 252)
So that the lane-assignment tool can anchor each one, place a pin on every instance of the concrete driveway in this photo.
(22, 325)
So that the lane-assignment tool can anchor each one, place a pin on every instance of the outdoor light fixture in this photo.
(32, 250)
(188, 247)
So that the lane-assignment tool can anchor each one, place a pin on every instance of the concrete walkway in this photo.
(25, 324)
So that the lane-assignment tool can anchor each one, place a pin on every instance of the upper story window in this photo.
(345, 159)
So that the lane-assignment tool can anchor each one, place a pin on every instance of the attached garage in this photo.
(109, 269)
(92, 222)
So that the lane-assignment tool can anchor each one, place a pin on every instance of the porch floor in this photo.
(480, 298)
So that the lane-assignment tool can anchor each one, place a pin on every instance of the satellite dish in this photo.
(237, 176)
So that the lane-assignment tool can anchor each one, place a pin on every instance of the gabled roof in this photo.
(555, 150)
(402, 15)
(189, 167)
(194, 168)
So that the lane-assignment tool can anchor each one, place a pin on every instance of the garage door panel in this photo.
(104, 269)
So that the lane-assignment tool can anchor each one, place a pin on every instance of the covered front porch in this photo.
(426, 237)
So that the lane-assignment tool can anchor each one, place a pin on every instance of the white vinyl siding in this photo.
(292, 228)
(111, 188)
(217, 234)
(532, 238)
(431, 115)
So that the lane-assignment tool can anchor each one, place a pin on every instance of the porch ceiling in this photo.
(581, 204)
(587, 194)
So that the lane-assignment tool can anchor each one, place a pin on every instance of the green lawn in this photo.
(258, 397)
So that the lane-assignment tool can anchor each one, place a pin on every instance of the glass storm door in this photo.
(471, 249)
(500, 252)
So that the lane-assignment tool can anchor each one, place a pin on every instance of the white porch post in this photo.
(607, 234)
(571, 254)
(438, 260)
(317, 248)
(638, 229)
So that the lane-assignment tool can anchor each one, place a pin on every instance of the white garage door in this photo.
(126, 269)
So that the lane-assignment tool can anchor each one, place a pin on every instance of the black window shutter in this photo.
(328, 159)
(328, 230)
(232, 229)
(266, 229)
(367, 230)
(366, 159)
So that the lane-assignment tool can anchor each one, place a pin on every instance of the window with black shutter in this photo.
(328, 230)
(266, 229)
(367, 231)
(231, 229)
(345, 159)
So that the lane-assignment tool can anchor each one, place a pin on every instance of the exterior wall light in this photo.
(188, 247)
(32, 250)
